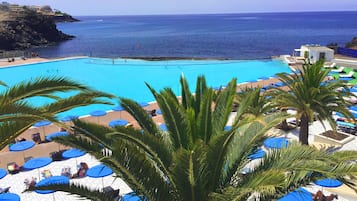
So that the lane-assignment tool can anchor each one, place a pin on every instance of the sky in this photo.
(156, 7)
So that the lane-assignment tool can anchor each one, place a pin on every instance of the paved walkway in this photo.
(16, 181)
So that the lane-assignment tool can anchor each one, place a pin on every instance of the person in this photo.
(30, 183)
(319, 196)
(4, 190)
(83, 167)
(152, 113)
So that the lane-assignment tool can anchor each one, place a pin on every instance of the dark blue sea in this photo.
(231, 36)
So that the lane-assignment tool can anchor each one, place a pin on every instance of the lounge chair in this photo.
(13, 168)
(350, 74)
(338, 70)
(331, 65)
(5, 190)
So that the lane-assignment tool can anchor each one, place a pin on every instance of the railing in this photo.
(347, 52)
(12, 54)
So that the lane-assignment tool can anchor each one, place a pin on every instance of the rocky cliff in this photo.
(23, 28)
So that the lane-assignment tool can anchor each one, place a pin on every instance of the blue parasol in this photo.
(328, 182)
(43, 124)
(119, 109)
(98, 113)
(22, 146)
(37, 163)
(143, 104)
(353, 108)
(99, 171)
(260, 153)
(73, 153)
(299, 194)
(69, 118)
(353, 89)
(276, 143)
(132, 197)
(56, 134)
(163, 127)
(51, 181)
(227, 128)
(3, 173)
(118, 122)
(9, 197)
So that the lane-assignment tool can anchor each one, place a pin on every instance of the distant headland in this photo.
(23, 27)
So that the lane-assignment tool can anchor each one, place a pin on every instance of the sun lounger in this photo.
(338, 70)
(350, 74)
(331, 65)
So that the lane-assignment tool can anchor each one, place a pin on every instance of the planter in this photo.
(335, 138)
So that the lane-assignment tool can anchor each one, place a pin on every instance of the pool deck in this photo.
(41, 150)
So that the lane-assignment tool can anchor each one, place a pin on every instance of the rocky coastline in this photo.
(23, 27)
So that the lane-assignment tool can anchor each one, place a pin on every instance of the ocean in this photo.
(217, 36)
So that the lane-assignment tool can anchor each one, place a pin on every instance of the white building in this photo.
(316, 52)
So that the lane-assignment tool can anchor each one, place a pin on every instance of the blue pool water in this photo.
(126, 78)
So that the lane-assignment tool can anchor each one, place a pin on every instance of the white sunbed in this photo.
(339, 70)
(350, 74)
(331, 65)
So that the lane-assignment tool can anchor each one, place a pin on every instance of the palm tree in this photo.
(17, 114)
(311, 96)
(196, 159)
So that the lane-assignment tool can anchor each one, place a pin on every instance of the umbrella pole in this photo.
(39, 176)
(53, 196)
(103, 182)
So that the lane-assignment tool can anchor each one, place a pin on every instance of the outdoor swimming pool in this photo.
(127, 77)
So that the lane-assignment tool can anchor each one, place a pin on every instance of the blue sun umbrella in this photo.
(163, 127)
(329, 183)
(260, 153)
(73, 153)
(37, 163)
(42, 124)
(299, 194)
(119, 109)
(56, 134)
(132, 197)
(276, 143)
(353, 89)
(69, 118)
(99, 171)
(353, 108)
(98, 113)
(9, 197)
(118, 122)
(143, 104)
(51, 181)
(22, 146)
(227, 128)
(3, 173)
